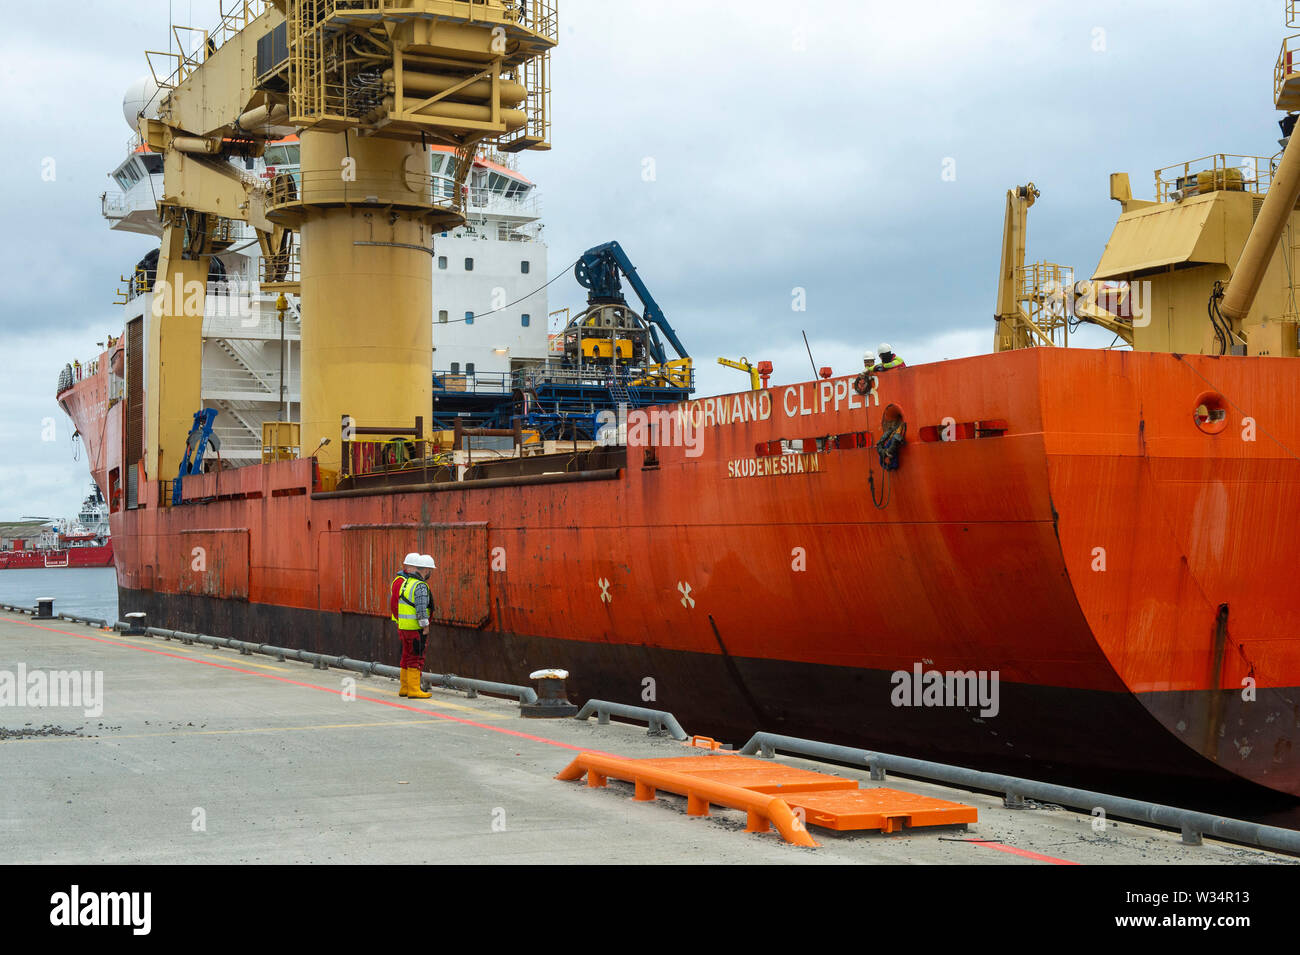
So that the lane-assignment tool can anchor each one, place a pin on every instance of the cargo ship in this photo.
(1098, 538)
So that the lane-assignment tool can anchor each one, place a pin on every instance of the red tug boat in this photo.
(83, 542)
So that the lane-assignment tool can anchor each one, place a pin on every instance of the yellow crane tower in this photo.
(367, 85)
(1013, 327)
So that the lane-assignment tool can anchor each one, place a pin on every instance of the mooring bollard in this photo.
(135, 621)
(45, 607)
(552, 703)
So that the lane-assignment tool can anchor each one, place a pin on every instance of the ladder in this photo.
(618, 389)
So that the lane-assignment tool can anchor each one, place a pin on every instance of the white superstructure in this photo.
(495, 263)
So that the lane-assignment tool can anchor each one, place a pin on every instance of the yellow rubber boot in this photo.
(406, 683)
(413, 688)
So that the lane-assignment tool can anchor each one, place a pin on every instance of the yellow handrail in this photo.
(1231, 171)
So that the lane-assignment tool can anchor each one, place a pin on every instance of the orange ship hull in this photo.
(1121, 571)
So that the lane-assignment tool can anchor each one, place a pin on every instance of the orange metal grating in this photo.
(888, 810)
(758, 775)
(771, 793)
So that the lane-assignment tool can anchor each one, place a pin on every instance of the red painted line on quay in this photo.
(324, 689)
(1036, 856)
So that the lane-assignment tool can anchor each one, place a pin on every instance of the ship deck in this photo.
(280, 768)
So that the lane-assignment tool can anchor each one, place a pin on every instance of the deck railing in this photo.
(176, 65)
(114, 205)
(1288, 65)
(395, 455)
(329, 185)
(674, 374)
(540, 16)
(1222, 171)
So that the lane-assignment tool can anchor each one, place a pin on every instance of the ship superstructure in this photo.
(249, 358)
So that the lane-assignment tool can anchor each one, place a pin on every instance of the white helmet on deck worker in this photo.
(410, 560)
(884, 349)
(425, 561)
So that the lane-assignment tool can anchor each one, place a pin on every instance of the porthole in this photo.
(1210, 412)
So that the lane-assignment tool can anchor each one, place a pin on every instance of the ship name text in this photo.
(777, 465)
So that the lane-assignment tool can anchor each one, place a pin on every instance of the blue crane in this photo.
(597, 270)
(200, 437)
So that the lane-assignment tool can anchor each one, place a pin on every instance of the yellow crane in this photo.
(1014, 330)
(367, 87)
(1038, 303)
(763, 369)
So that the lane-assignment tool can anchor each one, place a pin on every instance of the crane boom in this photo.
(745, 366)
(1011, 332)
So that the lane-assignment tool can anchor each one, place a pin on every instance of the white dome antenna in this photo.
(142, 97)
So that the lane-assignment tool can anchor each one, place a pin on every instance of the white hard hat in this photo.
(884, 349)
(868, 356)
(411, 560)
(424, 560)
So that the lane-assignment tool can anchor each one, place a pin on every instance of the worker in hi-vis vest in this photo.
(872, 364)
(409, 605)
(886, 358)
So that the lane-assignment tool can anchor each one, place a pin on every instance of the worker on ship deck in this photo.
(886, 359)
(882, 359)
(410, 602)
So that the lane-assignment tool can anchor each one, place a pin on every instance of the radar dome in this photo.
(142, 96)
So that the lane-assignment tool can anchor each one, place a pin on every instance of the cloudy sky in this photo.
(738, 150)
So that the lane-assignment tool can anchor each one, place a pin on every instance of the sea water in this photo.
(84, 591)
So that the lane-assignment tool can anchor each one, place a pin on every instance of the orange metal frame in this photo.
(763, 811)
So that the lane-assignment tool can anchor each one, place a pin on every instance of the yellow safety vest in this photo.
(401, 577)
(406, 619)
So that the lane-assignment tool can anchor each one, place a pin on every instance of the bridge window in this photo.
(285, 154)
(442, 316)
(524, 320)
(469, 368)
(469, 265)
(524, 267)
(469, 318)
(442, 261)
(455, 368)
